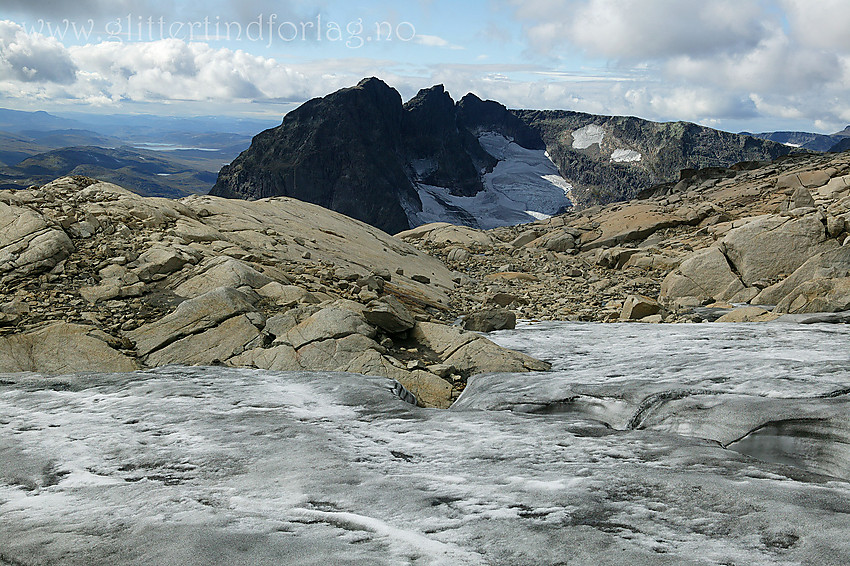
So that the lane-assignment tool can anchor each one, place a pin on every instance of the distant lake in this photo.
(171, 147)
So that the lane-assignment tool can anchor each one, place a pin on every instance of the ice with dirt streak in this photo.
(588, 464)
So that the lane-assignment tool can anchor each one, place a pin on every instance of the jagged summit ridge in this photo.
(363, 152)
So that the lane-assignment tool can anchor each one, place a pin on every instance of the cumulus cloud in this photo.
(33, 57)
(786, 59)
(775, 65)
(823, 24)
(639, 29)
(172, 69)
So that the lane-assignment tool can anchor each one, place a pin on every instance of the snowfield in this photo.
(625, 156)
(585, 137)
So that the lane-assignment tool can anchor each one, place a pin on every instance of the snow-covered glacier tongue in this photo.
(524, 186)
(623, 454)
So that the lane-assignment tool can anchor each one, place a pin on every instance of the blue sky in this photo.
(736, 65)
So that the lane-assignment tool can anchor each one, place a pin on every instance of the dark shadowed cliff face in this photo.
(439, 152)
(358, 151)
(340, 152)
(611, 158)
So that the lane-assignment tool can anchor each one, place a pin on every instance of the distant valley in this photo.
(155, 156)
(816, 142)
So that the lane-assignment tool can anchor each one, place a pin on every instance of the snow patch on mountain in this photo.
(524, 186)
(625, 156)
(587, 136)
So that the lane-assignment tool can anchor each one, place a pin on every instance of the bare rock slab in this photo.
(191, 317)
(61, 348)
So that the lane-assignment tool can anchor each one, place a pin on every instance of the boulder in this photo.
(524, 238)
(748, 314)
(615, 258)
(705, 274)
(215, 345)
(488, 320)
(278, 325)
(159, 260)
(61, 348)
(282, 357)
(556, 241)
(389, 314)
(836, 187)
(443, 340)
(819, 295)
(631, 222)
(771, 245)
(458, 254)
(504, 299)
(102, 292)
(330, 322)
(470, 353)
(430, 390)
(815, 178)
(445, 233)
(192, 230)
(483, 356)
(190, 317)
(801, 197)
(28, 246)
(334, 355)
(830, 264)
(637, 307)
(222, 271)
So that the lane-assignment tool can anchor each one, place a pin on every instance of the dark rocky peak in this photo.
(431, 111)
(340, 152)
(478, 115)
(441, 153)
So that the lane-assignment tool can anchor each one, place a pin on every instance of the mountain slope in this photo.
(360, 151)
(611, 158)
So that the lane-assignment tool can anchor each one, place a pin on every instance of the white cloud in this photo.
(707, 59)
(639, 29)
(33, 57)
(434, 41)
(824, 24)
(775, 65)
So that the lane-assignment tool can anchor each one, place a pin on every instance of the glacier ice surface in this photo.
(200, 465)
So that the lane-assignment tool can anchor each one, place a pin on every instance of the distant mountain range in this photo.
(363, 152)
(807, 140)
(154, 156)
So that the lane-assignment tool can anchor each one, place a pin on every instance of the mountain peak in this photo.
(373, 83)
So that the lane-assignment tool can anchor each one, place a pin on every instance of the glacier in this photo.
(524, 186)
(632, 450)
